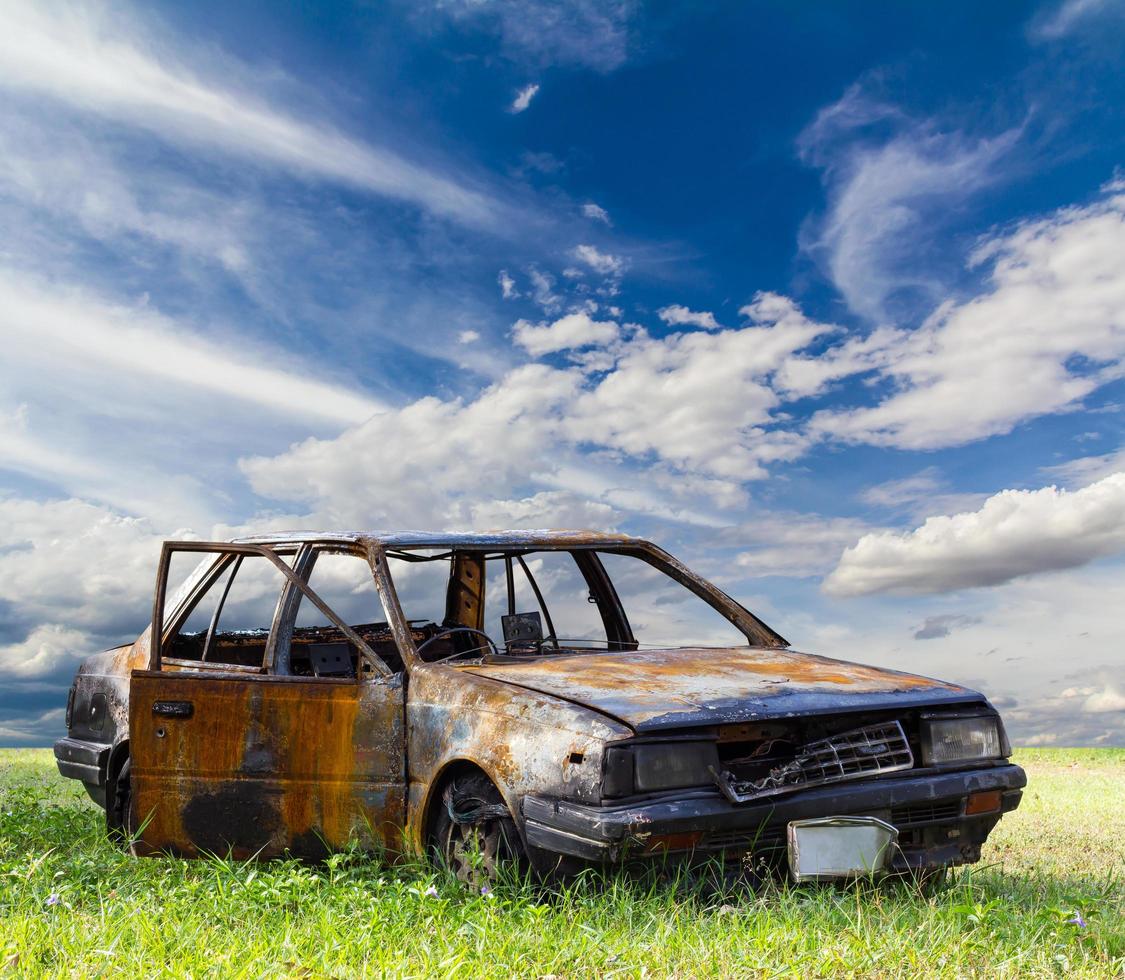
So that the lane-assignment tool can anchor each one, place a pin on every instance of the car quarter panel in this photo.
(526, 742)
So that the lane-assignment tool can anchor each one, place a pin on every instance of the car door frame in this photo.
(350, 785)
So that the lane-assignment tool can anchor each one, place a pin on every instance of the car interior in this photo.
(461, 604)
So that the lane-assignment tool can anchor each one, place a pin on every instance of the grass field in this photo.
(71, 904)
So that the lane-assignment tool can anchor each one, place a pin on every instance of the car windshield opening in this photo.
(526, 602)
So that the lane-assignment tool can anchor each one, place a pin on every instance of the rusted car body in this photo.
(315, 728)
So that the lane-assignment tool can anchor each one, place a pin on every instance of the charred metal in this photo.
(332, 719)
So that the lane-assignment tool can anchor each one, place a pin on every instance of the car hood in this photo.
(660, 689)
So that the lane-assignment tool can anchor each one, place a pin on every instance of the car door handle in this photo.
(173, 709)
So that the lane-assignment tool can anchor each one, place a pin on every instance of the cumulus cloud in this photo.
(595, 213)
(568, 332)
(891, 182)
(96, 61)
(523, 98)
(1048, 330)
(468, 336)
(698, 403)
(600, 262)
(1016, 533)
(1104, 701)
(679, 316)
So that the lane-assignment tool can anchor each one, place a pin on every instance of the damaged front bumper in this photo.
(942, 818)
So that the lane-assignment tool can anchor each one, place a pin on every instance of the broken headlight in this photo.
(974, 739)
(649, 767)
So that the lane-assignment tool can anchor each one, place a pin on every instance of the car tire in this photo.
(470, 836)
(119, 804)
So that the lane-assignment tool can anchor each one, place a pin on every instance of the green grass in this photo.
(73, 905)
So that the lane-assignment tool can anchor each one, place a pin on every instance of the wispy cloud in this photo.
(891, 181)
(1068, 16)
(97, 61)
(56, 327)
(575, 33)
(523, 98)
(595, 212)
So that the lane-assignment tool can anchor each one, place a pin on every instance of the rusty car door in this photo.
(246, 762)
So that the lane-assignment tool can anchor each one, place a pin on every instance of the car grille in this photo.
(856, 754)
(929, 812)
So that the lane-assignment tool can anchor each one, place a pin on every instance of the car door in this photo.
(229, 756)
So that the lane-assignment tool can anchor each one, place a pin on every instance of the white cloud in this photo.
(507, 285)
(1048, 331)
(600, 262)
(698, 403)
(95, 60)
(468, 337)
(595, 213)
(677, 315)
(523, 98)
(1106, 700)
(889, 196)
(571, 331)
(702, 401)
(1016, 533)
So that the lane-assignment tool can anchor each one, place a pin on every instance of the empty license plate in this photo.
(840, 847)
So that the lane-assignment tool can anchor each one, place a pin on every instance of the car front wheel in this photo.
(473, 833)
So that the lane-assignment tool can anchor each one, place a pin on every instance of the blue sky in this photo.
(829, 301)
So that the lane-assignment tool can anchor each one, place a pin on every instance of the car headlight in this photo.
(946, 740)
(649, 767)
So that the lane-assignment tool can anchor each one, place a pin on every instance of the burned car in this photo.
(564, 697)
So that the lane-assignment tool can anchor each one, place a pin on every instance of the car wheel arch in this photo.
(451, 770)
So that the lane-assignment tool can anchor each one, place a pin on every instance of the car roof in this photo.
(549, 538)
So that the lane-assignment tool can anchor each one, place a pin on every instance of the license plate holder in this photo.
(834, 848)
